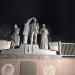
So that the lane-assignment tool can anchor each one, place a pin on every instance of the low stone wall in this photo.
(4, 44)
(64, 66)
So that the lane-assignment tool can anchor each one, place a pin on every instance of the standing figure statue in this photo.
(26, 31)
(44, 38)
(15, 37)
(34, 27)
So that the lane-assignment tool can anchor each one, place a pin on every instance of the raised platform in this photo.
(28, 56)
(28, 52)
(47, 52)
(29, 49)
(13, 51)
(4, 44)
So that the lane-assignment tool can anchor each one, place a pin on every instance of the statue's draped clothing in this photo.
(44, 39)
(16, 37)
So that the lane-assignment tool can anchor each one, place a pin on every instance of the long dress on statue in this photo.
(44, 39)
(15, 38)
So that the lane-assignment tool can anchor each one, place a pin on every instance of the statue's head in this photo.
(43, 25)
(15, 26)
(34, 19)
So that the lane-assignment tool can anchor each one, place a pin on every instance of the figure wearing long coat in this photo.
(44, 39)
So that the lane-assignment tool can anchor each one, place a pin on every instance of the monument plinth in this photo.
(31, 49)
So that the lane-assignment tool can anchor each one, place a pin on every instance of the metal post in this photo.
(59, 47)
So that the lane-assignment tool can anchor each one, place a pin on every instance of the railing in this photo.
(67, 49)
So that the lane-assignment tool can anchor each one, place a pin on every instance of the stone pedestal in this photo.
(28, 49)
(4, 44)
(47, 52)
(14, 51)
(31, 49)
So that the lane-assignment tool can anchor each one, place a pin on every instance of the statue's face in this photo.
(15, 26)
(43, 25)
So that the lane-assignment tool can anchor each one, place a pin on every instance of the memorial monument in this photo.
(30, 33)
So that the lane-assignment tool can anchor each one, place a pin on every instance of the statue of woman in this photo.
(26, 31)
(15, 37)
(44, 38)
